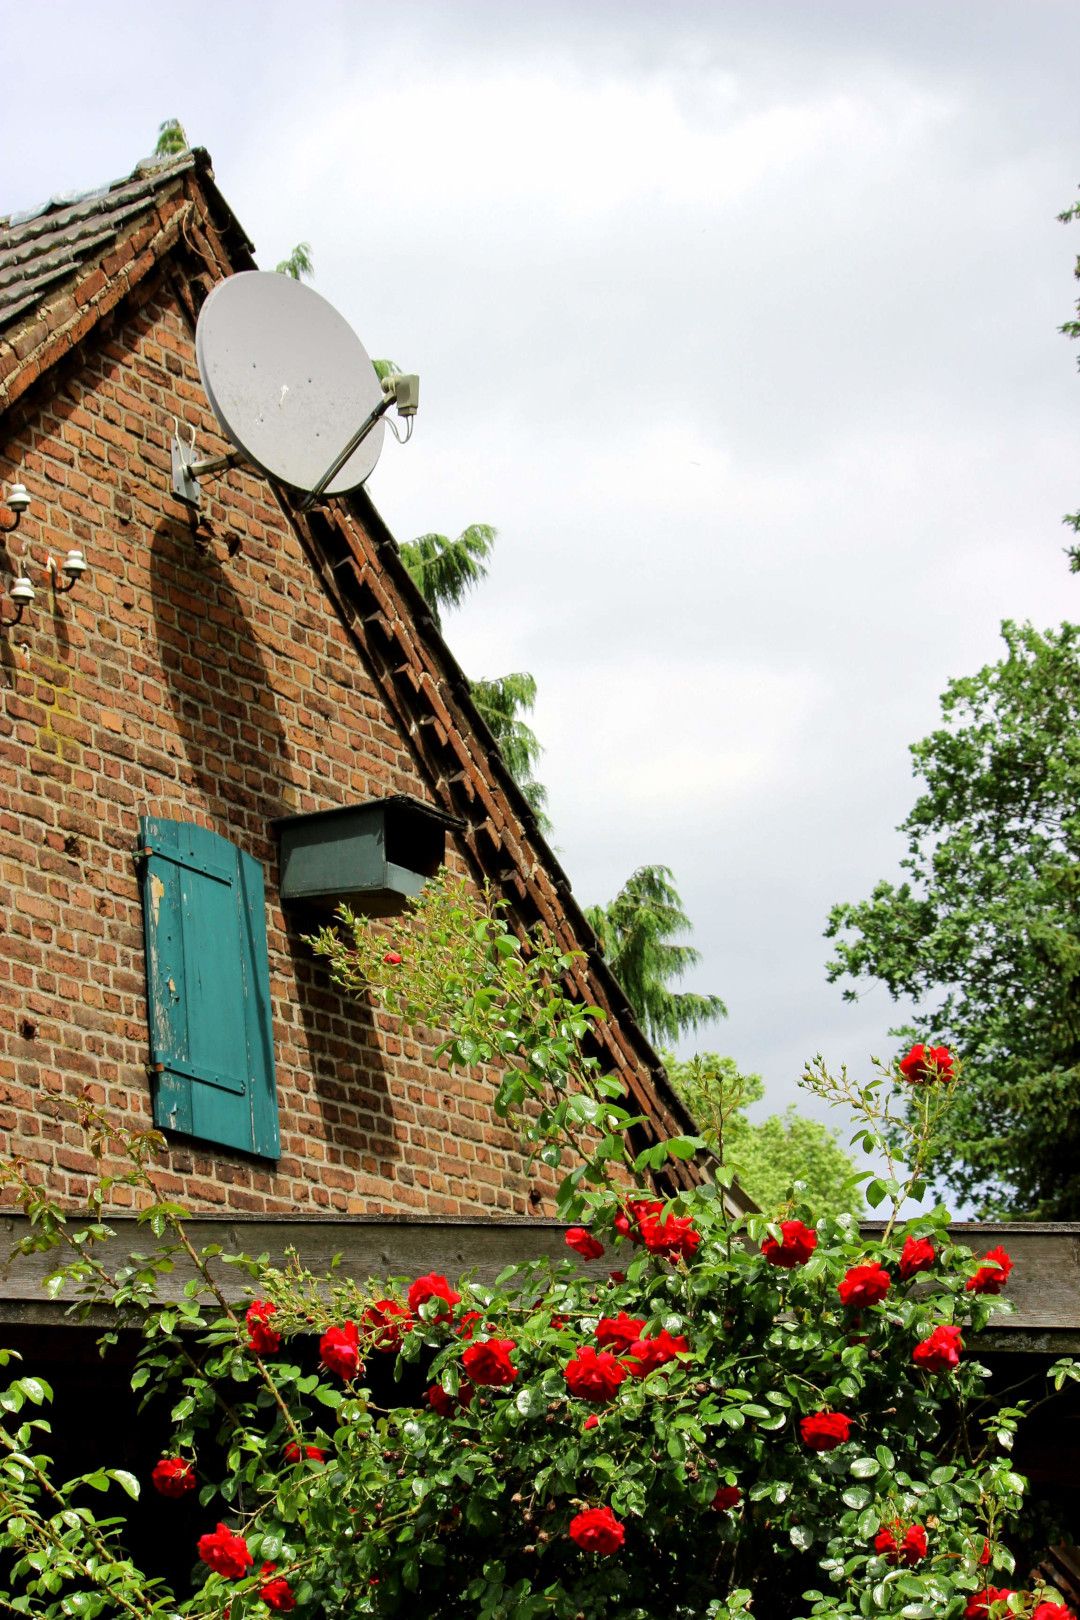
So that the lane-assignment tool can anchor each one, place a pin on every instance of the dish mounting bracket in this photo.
(187, 468)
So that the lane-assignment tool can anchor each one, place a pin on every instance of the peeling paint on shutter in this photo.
(208, 985)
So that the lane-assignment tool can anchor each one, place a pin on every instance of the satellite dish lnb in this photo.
(291, 385)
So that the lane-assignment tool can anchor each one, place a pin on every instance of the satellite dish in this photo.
(289, 381)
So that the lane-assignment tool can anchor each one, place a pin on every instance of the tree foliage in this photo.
(983, 931)
(444, 571)
(172, 139)
(637, 932)
(769, 1155)
(502, 701)
(299, 264)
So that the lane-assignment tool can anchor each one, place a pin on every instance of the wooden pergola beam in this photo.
(1044, 1287)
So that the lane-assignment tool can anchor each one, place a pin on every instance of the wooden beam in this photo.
(1044, 1287)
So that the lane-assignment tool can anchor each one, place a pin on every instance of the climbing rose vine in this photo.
(683, 1413)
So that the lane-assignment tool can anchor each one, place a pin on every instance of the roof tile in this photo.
(42, 248)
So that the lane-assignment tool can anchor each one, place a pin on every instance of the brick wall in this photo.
(203, 678)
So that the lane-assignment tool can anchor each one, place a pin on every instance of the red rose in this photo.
(594, 1377)
(821, 1431)
(446, 1405)
(991, 1279)
(591, 1421)
(384, 1324)
(617, 1276)
(392, 958)
(647, 1353)
(619, 1332)
(293, 1453)
(277, 1593)
(433, 1287)
(488, 1361)
(225, 1552)
(984, 1556)
(798, 1245)
(1052, 1611)
(628, 1221)
(979, 1605)
(584, 1243)
(264, 1341)
(901, 1544)
(918, 1254)
(864, 1285)
(173, 1476)
(441, 1401)
(467, 1323)
(597, 1530)
(927, 1063)
(676, 1237)
(727, 1496)
(941, 1351)
(339, 1350)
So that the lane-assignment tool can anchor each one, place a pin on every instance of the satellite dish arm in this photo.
(400, 390)
(339, 460)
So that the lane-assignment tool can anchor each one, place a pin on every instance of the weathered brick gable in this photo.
(207, 678)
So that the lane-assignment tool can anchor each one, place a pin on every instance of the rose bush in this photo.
(742, 1417)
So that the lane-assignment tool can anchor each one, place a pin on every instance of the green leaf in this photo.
(869, 1520)
(684, 1147)
(126, 1481)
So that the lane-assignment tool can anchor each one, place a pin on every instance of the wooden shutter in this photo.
(208, 985)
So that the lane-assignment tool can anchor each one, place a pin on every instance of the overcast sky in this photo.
(737, 320)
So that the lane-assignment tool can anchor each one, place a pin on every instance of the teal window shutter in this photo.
(208, 986)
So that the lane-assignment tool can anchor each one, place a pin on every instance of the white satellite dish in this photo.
(292, 387)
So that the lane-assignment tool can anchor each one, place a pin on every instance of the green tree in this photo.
(768, 1156)
(637, 934)
(444, 571)
(983, 932)
(299, 264)
(502, 700)
(172, 139)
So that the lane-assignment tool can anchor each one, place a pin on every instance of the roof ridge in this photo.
(47, 254)
(165, 168)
